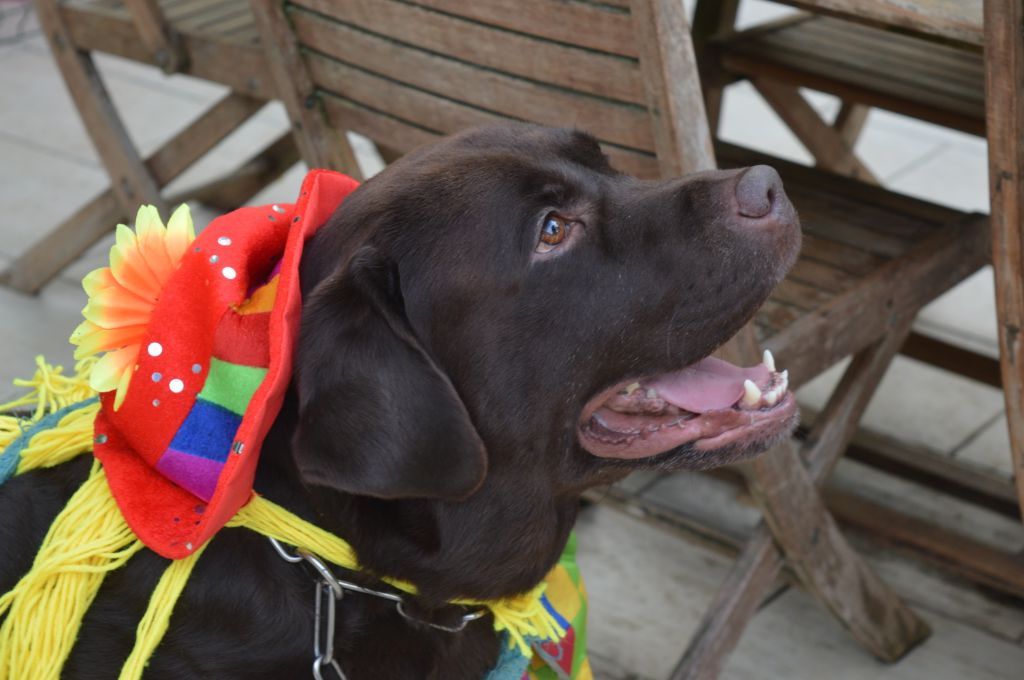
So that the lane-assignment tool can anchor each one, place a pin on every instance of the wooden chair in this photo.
(404, 74)
(211, 39)
(954, 63)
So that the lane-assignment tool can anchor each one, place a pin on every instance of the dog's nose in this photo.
(757, 191)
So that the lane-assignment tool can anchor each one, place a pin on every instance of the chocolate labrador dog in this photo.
(491, 325)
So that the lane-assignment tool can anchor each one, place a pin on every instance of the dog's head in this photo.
(504, 302)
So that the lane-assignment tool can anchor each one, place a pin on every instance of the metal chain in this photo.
(329, 590)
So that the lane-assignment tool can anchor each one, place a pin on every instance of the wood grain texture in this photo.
(674, 98)
(510, 52)
(239, 64)
(344, 56)
(957, 20)
(1004, 82)
(866, 65)
(826, 564)
(156, 34)
(592, 26)
(320, 145)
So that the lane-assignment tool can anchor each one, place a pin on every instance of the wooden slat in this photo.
(1004, 82)
(908, 75)
(403, 135)
(240, 67)
(627, 125)
(592, 26)
(514, 53)
(855, 261)
(399, 134)
(957, 20)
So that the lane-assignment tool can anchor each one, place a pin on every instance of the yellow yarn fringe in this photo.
(90, 538)
(51, 390)
(158, 614)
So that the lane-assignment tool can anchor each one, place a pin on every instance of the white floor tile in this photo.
(38, 191)
(990, 449)
(918, 404)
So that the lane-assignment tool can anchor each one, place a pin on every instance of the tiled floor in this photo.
(645, 607)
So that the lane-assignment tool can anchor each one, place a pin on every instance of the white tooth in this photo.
(772, 397)
(785, 380)
(632, 388)
(751, 393)
(768, 360)
(652, 393)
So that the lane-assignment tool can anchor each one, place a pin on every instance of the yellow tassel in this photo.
(51, 390)
(72, 436)
(158, 614)
(88, 539)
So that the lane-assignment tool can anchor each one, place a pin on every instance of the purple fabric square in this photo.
(194, 473)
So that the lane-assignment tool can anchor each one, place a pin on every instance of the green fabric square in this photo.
(231, 386)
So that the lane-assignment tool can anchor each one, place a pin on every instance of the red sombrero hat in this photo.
(199, 338)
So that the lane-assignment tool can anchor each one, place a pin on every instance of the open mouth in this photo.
(710, 405)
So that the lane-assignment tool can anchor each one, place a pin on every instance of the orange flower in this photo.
(123, 295)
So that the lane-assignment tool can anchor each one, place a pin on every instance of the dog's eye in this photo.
(554, 230)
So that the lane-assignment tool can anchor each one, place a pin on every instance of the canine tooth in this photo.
(768, 360)
(784, 382)
(772, 397)
(632, 387)
(751, 393)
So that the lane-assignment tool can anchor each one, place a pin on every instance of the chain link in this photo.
(329, 590)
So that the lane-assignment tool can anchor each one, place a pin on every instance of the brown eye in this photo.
(554, 231)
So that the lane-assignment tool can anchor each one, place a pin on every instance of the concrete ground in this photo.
(648, 587)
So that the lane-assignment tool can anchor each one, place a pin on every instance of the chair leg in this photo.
(131, 182)
(1004, 69)
(47, 256)
(825, 563)
(825, 143)
(850, 122)
(886, 627)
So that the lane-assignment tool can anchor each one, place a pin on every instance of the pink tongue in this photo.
(708, 385)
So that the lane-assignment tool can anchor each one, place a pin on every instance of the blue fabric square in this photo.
(208, 431)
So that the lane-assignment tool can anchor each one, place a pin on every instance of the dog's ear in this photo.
(376, 415)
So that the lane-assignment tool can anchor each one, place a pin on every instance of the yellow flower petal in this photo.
(180, 232)
(129, 268)
(109, 371)
(91, 339)
(122, 387)
(152, 248)
(98, 279)
(111, 308)
(122, 296)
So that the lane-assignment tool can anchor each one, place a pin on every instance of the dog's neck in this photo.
(501, 541)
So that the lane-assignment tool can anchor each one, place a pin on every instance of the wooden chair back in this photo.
(403, 74)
